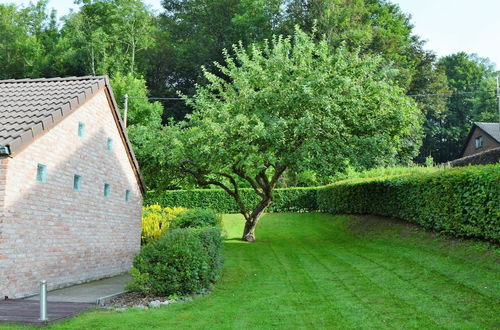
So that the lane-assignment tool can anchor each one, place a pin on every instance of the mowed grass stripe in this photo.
(368, 301)
(314, 271)
(407, 299)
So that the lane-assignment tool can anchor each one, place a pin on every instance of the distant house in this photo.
(70, 187)
(482, 137)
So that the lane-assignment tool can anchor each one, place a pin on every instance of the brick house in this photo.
(482, 137)
(70, 187)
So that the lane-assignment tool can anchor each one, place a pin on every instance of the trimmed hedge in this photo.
(285, 200)
(464, 202)
(491, 156)
(196, 217)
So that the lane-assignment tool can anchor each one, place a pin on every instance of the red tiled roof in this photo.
(29, 107)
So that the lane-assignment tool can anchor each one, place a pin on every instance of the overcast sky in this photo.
(449, 26)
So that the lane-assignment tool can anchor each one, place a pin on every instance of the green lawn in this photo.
(320, 271)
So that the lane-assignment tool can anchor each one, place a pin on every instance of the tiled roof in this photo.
(29, 107)
(493, 129)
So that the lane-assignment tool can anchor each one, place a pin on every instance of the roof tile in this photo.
(27, 103)
(30, 106)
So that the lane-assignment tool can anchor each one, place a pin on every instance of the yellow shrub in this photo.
(156, 220)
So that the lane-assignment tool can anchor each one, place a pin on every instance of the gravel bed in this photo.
(140, 300)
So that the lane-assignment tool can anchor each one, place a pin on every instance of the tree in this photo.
(471, 82)
(26, 36)
(291, 103)
(143, 125)
(105, 37)
(431, 92)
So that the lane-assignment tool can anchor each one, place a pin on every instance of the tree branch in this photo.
(252, 182)
(200, 178)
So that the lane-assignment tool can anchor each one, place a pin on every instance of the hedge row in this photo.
(285, 200)
(491, 156)
(464, 202)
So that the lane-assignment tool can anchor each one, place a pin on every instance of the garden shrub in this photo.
(184, 261)
(197, 217)
(156, 220)
(285, 199)
(463, 202)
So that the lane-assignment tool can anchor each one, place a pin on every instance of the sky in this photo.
(448, 26)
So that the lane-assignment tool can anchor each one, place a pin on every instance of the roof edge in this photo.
(25, 80)
(17, 144)
(101, 82)
(123, 131)
(485, 131)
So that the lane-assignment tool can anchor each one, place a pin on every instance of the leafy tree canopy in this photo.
(291, 103)
(472, 84)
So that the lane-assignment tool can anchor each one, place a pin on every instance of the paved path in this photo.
(91, 292)
(28, 311)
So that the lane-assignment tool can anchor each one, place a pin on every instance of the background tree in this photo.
(26, 36)
(144, 125)
(471, 80)
(105, 37)
(286, 105)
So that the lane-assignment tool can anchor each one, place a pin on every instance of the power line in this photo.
(411, 95)
(156, 98)
(451, 94)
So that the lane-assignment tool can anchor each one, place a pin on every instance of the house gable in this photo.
(31, 107)
(487, 141)
(79, 232)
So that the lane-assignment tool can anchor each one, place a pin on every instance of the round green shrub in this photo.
(197, 217)
(184, 261)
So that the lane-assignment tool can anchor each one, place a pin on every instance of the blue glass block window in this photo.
(77, 182)
(41, 173)
(127, 195)
(81, 129)
(110, 144)
(107, 190)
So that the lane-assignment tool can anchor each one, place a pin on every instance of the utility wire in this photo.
(451, 94)
(412, 95)
(156, 98)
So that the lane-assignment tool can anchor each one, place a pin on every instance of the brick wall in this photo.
(488, 143)
(49, 230)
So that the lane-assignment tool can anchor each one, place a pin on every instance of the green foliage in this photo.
(285, 200)
(283, 106)
(465, 73)
(197, 217)
(462, 202)
(184, 261)
(140, 112)
(26, 35)
(105, 37)
(156, 220)
(143, 125)
(351, 173)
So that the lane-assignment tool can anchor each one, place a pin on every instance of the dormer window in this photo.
(479, 142)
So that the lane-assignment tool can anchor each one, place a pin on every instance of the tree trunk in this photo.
(253, 219)
(249, 231)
